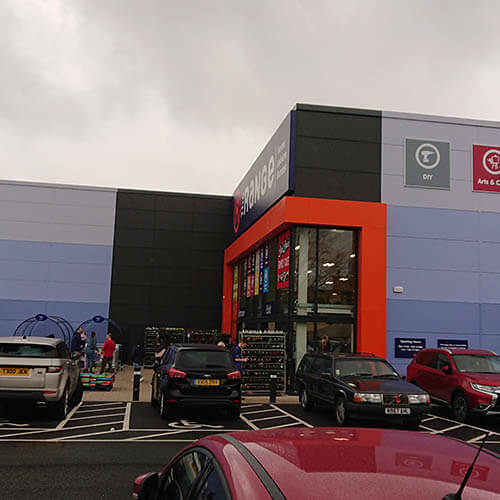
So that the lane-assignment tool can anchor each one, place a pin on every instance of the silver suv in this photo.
(41, 370)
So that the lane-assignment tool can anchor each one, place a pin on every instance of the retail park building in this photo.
(380, 231)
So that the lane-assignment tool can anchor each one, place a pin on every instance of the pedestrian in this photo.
(161, 349)
(238, 355)
(76, 341)
(137, 356)
(107, 352)
(91, 352)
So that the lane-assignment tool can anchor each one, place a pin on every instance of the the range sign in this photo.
(486, 168)
(268, 179)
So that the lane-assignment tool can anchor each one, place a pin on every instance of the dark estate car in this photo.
(196, 375)
(467, 380)
(359, 385)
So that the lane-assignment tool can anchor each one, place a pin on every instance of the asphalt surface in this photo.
(101, 447)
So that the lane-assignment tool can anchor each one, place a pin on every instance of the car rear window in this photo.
(204, 359)
(475, 363)
(363, 367)
(9, 350)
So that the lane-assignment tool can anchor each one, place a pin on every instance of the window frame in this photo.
(212, 465)
(169, 467)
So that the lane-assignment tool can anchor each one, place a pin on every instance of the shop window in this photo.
(336, 269)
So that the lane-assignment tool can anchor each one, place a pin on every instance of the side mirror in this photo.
(326, 374)
(146, 486)
(446, 369)
(75, 356)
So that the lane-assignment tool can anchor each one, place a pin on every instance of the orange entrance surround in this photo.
(371, 221)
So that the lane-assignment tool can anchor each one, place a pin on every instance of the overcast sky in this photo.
(182, 95)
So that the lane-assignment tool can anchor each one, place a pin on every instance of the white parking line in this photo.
(256, 411)
(98, 416)
(138, 438)
(281, 426)
(249, 423)
(126, 420)
(268, 418)
(251, 406)
(479, 438)
(68, 438)
(88, 404)
(292, 416)
(103, 409)
(68, 416)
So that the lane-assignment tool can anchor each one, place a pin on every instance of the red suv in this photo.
(468, 380)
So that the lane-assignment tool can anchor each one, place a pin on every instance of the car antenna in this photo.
(458, 494)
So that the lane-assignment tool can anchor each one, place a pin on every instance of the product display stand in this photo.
(266, 352)
(155, 334)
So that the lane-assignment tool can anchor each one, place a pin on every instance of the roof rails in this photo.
(368, 354)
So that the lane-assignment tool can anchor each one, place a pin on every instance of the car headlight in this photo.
(417, 399)
(367, 397)
(486, 388)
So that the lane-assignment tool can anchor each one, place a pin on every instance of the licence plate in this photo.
(397, 411)
(204, 381)
(14, 372)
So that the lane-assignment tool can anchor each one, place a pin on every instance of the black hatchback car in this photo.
(359, 386)
(191, 375)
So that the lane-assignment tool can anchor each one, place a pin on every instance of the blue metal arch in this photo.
(100, 320)
(60, 325)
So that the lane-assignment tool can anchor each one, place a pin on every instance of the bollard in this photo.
(272, 388)
(137, 385)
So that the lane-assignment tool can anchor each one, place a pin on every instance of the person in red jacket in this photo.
(107, 353)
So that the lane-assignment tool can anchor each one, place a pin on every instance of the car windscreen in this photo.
(477, 363)
(193, 359)
(364, 367)
(11, 350)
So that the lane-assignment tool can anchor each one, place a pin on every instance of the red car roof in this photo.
(353, 463)
(470, 351)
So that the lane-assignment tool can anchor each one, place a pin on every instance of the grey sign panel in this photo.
(268, 179)
(427, 163)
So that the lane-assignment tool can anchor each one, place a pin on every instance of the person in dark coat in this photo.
(77, 343)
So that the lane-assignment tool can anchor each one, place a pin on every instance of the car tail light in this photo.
(54, 369)
(49, 392)
(174, 373)
(235, 374)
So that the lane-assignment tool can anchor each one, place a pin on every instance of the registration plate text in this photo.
(14, 372)
(204, 381)
(397, 411)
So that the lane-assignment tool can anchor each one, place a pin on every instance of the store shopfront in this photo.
(315, 275)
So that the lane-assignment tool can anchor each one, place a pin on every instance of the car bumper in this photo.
(38, 397)
(387, 412)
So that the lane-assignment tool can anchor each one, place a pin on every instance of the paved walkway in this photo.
(122, 390)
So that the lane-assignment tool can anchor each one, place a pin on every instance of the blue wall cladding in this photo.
(56, 250)
(443, 244)
(447, 263)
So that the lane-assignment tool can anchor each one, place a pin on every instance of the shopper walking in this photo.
(91, 352)
(238, 355)
(107, 352)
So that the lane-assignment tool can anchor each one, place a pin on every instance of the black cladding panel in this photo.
(338, 153)
(168, 259)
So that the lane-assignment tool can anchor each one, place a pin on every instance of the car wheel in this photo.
(78, 394)
(165, 408)
(234, 413)
(341, 414)
(61, 408)
(460, 407)
(305, 401)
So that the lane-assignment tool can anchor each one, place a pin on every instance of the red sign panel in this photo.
(283, 260)
(486, 168)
